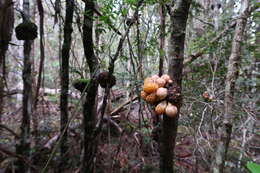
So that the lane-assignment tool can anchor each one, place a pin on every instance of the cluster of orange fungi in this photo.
(155, 92)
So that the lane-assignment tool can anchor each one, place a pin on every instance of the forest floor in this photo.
(129, 147)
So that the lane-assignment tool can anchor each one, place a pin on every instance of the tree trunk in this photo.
(65, 83)
(6, 27)
(162, 37)
(42, 52)
(179, 18)
(89, 104)
(232, 74)
(140, 46)
(24, 147)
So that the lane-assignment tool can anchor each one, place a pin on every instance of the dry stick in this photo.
(116, 110)
(202, 51)
(51, 141)
(25, 160)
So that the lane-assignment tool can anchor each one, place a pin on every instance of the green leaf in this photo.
(124, 12)
(253, 167)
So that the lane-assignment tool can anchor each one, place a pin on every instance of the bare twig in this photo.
(193, 57)
(116, 110)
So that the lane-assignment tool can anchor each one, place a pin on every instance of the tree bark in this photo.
(42, 52)
(233, 66)
(89, 104)
(24, 147)
(6, 27)
(162, 37)
(65, 83)
(140, 46)
(179, 18)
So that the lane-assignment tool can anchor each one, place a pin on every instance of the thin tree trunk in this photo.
(36, 92)
(179, 18)
(232, 74)
(89, 104)
(161, 48)
(24, 147)
(6, 27)
(42, 52)
(65, 83)
(162, 37)
(139, 48)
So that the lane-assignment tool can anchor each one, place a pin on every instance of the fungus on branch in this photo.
(26, 31)
(104, 79)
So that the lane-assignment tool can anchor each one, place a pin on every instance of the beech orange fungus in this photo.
(151, 98)
(160, 93)
(171, 110)
(161, 82)
(150, 87)
(143, 95)
(160, 108)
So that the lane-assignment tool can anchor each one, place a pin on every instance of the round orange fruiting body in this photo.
(155, 77)
(148, 80)
(160, 108)
(161, 82)
(161, 93)
(143, 95)
(151, 98)
(150, 87)
(171, 110)
(166, 77)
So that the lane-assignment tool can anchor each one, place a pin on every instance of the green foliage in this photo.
(80, 84)
(253, 167)
(131, 2)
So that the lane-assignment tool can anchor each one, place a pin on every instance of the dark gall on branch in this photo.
(104, 80)
(26, 31)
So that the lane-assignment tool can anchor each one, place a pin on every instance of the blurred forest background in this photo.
(71, 74)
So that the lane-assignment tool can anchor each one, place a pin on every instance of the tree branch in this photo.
(193, 57)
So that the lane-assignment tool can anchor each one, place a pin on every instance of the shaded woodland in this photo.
(130, 86)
